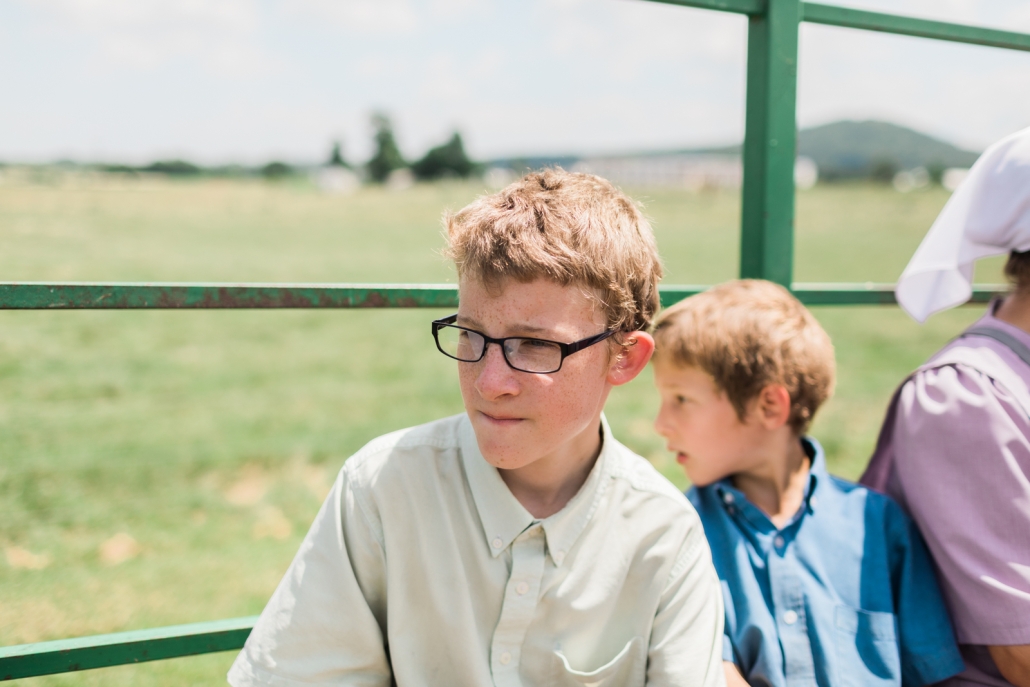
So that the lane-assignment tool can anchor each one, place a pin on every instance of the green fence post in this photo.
(770, 135)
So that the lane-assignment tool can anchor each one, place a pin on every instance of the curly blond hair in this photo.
(574, 229)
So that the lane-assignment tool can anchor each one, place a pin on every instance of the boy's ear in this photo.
(634, 351)
(773, 407)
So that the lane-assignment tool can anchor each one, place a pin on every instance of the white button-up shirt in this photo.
(423, 568)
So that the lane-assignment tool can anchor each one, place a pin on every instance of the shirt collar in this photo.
(817, 473)
(734, 501)
(504, 518)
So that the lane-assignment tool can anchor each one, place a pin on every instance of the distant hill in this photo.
(854, 149)
(845, 149)
(849, 149)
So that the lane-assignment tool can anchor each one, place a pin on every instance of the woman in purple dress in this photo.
(954, 450)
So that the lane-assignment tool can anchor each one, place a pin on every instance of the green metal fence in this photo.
(766, 251)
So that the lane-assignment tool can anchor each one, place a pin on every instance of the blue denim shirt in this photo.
(844, 594)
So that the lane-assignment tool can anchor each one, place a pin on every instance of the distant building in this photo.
(693, 172)
(336, 180)
(687, 171)
(953, 176)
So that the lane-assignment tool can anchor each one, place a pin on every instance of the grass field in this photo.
(161, 467)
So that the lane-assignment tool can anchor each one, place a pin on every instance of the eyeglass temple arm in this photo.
(583, 343)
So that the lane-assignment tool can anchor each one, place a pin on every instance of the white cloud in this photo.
(631, 36)
(141, 35)
(457, 8)
(374, 16)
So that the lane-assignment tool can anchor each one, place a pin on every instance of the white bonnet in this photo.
(989, 214)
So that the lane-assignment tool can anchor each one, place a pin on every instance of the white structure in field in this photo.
(689, 171)
(336, 180)
(953, 176)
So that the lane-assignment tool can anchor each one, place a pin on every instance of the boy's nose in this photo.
(495, 378)
(660, 425)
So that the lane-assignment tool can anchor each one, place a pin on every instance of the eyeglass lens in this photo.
(529, 355)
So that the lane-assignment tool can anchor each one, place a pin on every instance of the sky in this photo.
(219, 81)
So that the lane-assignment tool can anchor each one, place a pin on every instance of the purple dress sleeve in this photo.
(965, 479)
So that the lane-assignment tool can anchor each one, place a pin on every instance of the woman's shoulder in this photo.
(966, 378)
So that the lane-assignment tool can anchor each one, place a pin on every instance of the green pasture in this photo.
(159, 468)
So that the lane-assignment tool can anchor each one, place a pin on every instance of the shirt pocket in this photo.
(867, 648)
(627, 669)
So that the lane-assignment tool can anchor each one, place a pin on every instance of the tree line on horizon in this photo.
(448, 160)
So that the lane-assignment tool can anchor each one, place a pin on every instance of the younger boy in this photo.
(517, 543)
(825, 582)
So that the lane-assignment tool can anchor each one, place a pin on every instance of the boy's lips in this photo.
(681, 457)
(501, 420)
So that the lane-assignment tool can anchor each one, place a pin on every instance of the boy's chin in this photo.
(503, 458)
(703, 479)
(500, 453)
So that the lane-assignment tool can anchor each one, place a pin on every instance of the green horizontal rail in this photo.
(121, 648)
(910, 26)
(817, 13)
(127, 295)
(135, 296)
(875, 294)
(838, 294)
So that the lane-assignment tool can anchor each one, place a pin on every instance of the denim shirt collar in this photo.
(755, 524)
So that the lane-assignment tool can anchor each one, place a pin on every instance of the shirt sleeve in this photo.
(687, 636)
(320, 626)
(925, 638)
(963, 461)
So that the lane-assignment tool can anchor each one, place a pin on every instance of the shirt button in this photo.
(505, 658)
(778, 542)
(790, 617)
(521, 588)
(497, 543)
(813, 501)
(559, 556)
(727, 497)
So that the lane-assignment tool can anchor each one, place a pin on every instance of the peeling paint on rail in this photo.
(129, 296)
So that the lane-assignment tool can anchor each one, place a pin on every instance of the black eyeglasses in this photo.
(522, 353)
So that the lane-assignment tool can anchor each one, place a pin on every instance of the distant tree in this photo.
(448, 160)
(936, 171)
(388, 156)
(336, 156)
(230, 170)
(276, 170)
(883, 170)
(173, 168)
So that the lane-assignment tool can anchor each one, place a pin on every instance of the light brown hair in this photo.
(748, 334)
(568, 227)
(1017, 269)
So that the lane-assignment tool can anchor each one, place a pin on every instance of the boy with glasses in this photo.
(518, 543)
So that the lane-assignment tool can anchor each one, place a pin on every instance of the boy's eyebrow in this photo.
(472, 323)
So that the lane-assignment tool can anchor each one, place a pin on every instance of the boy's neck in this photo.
(545, 486)
(777, 484)
(1015, 310)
